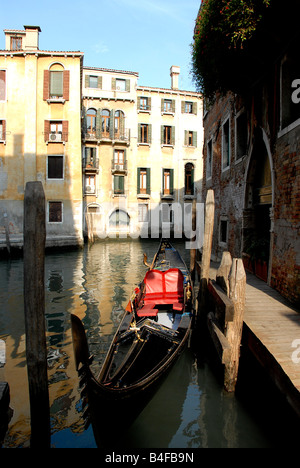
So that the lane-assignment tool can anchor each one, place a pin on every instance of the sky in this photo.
(144, 36)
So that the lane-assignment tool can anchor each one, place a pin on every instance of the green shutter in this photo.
(113, 84)
(182, 107)
(195, 139)
(87, 81)
(173, 106)
(84, 122)
(186, 137)
(149, 103)
(98, 124)
(112, 125)
(127, 88)
(195, 108)
(162, 134)
(173, 135)
(192, 181)
(139, 102)
(171, 181)
(150, 133)
(162, 104)
(138, 180)
(139, 133)
(99, 83)
(148, 182)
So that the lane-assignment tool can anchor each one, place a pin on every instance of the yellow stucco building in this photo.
(142, 154)
(40, 136)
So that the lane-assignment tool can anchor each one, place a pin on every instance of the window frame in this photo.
(61, 212)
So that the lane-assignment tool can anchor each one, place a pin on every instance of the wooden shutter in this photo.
(173, 106)
(113, 84)
(171, 181)
(195, 108)
(195, 139)
(162, 134)
(87, 81)
(148, 185)
(2, 137)
(84, 122)
(65, 130)
(173, 135)
(127, 85)
(46, 130)
(98, 124)
(182, 107)
(139, 133)
(99, 83)
(138, 180)
(66, 85)
(150, 133)
(112, 125)
(149, 103)
(46, 90)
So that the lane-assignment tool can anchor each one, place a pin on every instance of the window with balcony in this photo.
(144, 103)
(55, 167)
(105, 123)
(2, 85)
(90, 158)
(91, 122)
(119, 124)
(55, 212)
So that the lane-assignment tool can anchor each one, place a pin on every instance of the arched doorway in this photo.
(258, 207)
(119, 221)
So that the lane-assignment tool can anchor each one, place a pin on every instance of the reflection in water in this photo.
(189, 410)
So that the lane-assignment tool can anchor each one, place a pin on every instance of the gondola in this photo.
(153, 332)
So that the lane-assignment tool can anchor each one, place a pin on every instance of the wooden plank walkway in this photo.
(271, 328)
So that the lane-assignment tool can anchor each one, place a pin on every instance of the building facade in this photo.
(142, 154)
(40, 136)
(251, 161)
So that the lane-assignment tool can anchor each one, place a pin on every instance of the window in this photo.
(189, 107)
(225, 145)
(119, 185)
(91, 121)
(190, 138)
(56, 131)
(189, 179)
(119, 160)
(56, 84)
(55, 211)
(90, 184)
(16, 43)
(55, 167)
(209, 159)
(93, 81)
(167, 135)
(119, 123)
(2, 85)
(167, 182)
(168, 106)
(143, 181)
(144, 103)
(90, 158)
(241, 135)
(119, 218)
(144, 133)
(2, 130)
(105, 123)
(143, 216)
(223, 233)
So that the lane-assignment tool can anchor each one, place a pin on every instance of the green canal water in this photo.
(190, 410)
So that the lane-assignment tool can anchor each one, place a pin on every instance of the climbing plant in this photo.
(223, 29)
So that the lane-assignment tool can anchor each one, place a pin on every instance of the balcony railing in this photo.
(118, 167)
(90, 164)
(119, 136)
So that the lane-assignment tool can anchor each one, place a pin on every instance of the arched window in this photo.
(91, 121)
(105, 123)
(119, 123)
(189, 179)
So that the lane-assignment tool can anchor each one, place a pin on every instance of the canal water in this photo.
(190, 410)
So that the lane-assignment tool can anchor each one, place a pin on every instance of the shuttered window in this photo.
(167, 181)
(143, 181)
(55, 167)
(119, 185)
(2, 85)
(56, 84)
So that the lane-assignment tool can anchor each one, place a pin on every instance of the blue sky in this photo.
(145, 36)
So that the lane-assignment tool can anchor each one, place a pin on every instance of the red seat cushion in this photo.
(147, 311)
(164, 287)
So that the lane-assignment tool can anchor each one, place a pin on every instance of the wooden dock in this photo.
(272, 333)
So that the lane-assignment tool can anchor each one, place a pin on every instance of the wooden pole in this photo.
(193, 250)
(237, 283)
(206, 254)
(34, 308)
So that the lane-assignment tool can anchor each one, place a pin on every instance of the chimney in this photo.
(174, 73)
(32, 37)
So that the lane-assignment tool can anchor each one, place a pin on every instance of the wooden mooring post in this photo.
(221, 302)
(34, 309)
(226, 301)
